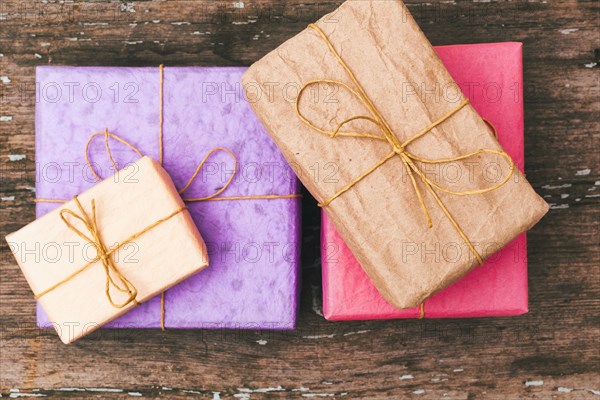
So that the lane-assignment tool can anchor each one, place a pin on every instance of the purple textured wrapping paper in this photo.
(253, 245)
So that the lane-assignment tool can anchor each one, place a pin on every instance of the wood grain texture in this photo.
(552, 352)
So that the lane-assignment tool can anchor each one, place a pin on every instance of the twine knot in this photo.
(119, 281)
(398, 149)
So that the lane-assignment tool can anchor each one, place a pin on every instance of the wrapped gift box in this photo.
(78, 258)
(253, 244)
(389, 129)
(490, 75)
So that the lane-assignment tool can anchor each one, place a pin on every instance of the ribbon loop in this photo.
(337, 131)
(106, 134)
(199, 168)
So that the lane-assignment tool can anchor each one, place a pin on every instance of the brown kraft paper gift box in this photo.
(380, 214)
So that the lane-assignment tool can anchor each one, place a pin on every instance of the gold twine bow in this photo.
(398, 148)
(105, 256)
(216, 196)
(103, 253)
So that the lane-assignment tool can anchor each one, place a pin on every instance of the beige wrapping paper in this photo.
(380, 217)
(136, 197)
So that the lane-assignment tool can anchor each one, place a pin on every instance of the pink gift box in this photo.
(491, 76)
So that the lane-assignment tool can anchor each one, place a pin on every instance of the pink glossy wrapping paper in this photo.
(490, 75)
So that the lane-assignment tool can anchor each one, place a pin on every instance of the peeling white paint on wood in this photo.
(127, 7)
(262, 390)
(405, 377)
(5, 79)
(419, 391)
(301, 389)
(583, 172)
(558, 206)
(564, 389)
(568, 31)
(564, 186)
(357, 332)
(262, 342)
(534, 383)
(319, 336)
(7, 198)
(16, 157)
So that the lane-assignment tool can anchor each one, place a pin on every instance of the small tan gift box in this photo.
(114, 246)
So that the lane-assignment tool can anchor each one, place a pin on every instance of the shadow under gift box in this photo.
(137, 208)
(253, 244)
(491, 76)
(376, 132)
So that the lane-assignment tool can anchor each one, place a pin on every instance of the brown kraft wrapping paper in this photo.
(380, 217)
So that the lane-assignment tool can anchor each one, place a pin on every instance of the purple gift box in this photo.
(253, 244)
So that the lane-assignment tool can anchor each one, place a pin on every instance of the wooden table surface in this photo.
(552, 352)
